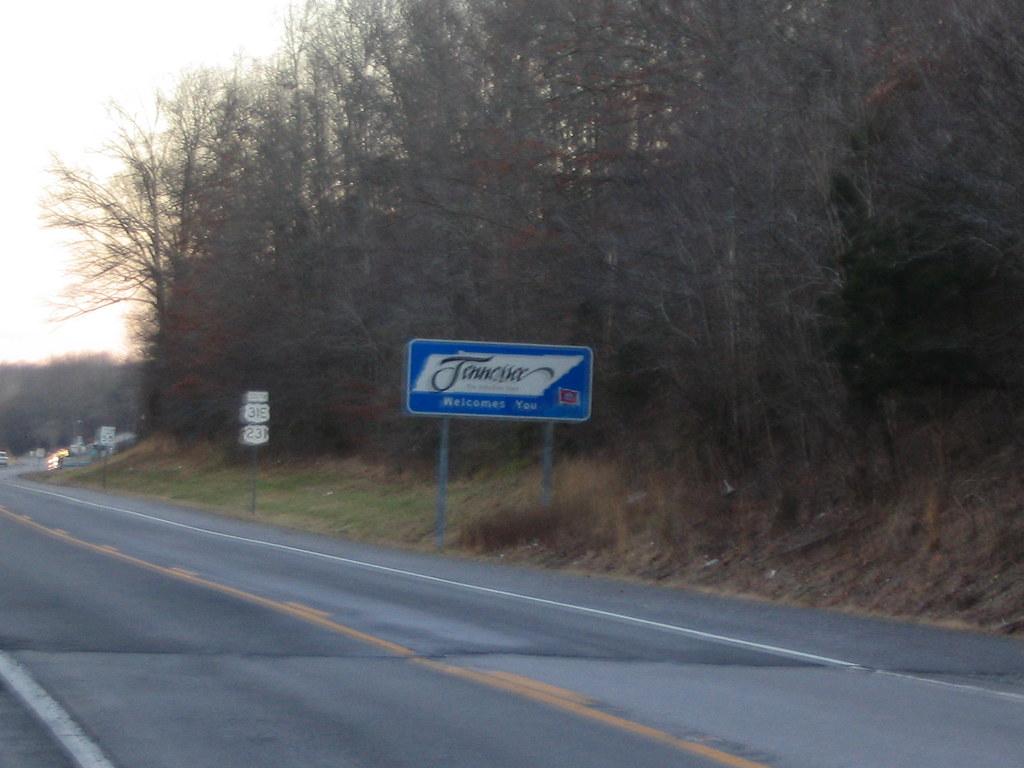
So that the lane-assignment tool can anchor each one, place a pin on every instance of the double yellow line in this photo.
(524, 687)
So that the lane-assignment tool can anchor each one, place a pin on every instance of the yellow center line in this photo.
(519, 681)
(306, 614)
(524, 687)
(309, 609)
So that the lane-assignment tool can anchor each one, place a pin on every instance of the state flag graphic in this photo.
(568, 396)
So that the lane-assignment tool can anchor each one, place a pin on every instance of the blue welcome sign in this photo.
(498, 381)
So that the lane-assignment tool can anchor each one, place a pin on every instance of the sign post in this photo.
(487, 380)
(547, 464)
(254, 472)
(254, 416)
(442, 483)
(106, 441)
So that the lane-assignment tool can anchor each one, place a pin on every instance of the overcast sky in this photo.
(63, 63)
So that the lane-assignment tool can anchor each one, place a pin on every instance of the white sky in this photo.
(63, 63)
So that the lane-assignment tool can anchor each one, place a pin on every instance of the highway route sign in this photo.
(106, 436)
(255, 434)
(255, 413)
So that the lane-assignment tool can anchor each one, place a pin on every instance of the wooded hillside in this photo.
(783, 226)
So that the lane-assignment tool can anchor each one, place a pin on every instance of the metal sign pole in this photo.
(442, 483)
(547, 461)
(106, 437)
(254, 415)
(252, 479)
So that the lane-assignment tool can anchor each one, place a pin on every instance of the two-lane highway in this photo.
(172, 637)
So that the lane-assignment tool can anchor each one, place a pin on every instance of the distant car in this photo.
(3, 459)
(56, 459)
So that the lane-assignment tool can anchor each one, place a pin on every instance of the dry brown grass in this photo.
(946, 549)
(646, 527)
(587, 513)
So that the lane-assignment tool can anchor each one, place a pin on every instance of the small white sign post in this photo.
(255, 417)
(106, 441)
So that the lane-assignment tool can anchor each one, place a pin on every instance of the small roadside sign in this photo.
(255, 434)
(255, 413)
(105, 437)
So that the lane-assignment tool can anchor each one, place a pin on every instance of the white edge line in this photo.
(687, 631)
(79, 747)
(966, 687)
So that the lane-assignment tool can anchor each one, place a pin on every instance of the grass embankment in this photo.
(960, 561)
(337, 497)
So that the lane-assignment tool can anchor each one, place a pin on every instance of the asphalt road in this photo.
(175, 638)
